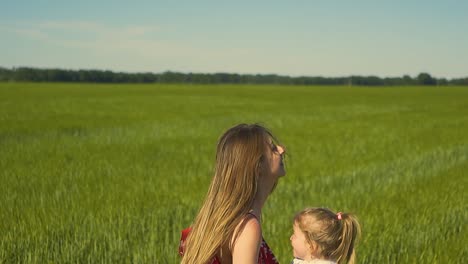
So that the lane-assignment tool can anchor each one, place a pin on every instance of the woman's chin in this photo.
(282, 173)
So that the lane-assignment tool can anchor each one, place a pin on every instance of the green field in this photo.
(111, 173)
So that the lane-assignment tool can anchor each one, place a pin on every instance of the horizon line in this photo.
(230, 73)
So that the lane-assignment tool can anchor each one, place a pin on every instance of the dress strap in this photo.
(252, 214)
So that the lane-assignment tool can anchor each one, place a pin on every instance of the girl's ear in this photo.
(314, 248)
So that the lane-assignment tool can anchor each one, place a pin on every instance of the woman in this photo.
(227, 228)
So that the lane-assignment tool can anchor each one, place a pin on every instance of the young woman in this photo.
(227, 228)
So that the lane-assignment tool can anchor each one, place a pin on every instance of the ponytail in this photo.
(350, 232)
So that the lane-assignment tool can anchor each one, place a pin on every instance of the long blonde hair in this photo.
(240, 161)
(336, 235)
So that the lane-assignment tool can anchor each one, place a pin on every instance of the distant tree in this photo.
(5, 74)
(171, 77)
(407, 80)
(426, 79)
(442, 81)
(459, 81)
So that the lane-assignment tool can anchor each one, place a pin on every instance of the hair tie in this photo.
(338, 215)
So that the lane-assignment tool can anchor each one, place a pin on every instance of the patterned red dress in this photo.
(265, 256)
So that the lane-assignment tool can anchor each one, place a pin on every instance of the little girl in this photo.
(321, 236)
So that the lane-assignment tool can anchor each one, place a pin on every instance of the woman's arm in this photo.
(247, 245)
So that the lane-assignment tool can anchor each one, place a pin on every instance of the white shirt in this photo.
(313, 261)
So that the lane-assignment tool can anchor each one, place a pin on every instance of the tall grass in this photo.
(112, 173)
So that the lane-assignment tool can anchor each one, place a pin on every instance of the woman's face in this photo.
(276, 160)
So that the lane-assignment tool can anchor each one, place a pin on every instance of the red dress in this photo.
(265, 255)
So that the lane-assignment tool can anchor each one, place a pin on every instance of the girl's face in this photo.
(301, 249)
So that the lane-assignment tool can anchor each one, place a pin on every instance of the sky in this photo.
(297, 38)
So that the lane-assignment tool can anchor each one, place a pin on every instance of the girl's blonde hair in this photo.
(240, 162)
(335, 235)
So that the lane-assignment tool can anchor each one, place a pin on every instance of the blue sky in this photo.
(314, 38)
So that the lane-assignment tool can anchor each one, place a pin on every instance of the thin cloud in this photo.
(97, 28)
(98, 37)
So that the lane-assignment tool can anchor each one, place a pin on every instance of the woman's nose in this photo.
(280, 150)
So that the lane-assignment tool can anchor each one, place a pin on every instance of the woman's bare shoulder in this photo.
(246, 243)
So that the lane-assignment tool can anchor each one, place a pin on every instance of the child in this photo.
(321, 236)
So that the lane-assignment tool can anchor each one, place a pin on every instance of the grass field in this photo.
(111, 173)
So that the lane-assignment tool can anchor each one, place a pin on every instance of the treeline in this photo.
(26, 74)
